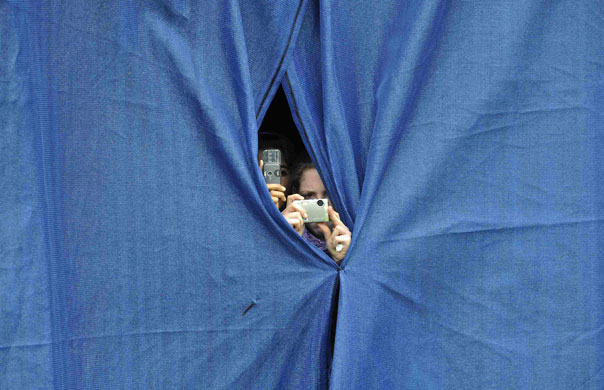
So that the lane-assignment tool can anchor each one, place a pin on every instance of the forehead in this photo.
(311, 181)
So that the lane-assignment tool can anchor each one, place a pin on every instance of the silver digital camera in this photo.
(315, 208)
(272, 166)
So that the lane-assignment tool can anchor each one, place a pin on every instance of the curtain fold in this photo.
(460, 141)
(140, 248)
(463, 140)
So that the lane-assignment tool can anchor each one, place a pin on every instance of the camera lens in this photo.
(320, 202)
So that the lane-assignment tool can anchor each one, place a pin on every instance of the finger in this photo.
(344, 240)
(261, 164)
(325, 229)
(331, 242)
(293, 197)
(340, 230)
(336, 218)
(341, 248)
(300, 210)
(276, 187)
(295, 223)
(333, 216)
(292, 214)
(278, 194)
(275, 200)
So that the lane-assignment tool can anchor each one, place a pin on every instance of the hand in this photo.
(293, 213)
(277, 191)
(339, 235)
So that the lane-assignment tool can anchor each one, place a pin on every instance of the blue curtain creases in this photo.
(460, 141)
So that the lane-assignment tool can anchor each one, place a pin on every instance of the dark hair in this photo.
(303, 162)
(277, 141)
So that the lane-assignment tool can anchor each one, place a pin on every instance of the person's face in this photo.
(284, 174)
(311, 187)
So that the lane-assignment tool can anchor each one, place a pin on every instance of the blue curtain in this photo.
(460, 141)
(464, 142)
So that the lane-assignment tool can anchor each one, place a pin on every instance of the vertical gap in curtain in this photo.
(302, 129)
(336, 294)
(285, 57)
(280, 76)
(333, 321)
(268, 96)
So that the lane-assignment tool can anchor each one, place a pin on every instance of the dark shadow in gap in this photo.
(333, 319)
(278, 119)
(276, 125)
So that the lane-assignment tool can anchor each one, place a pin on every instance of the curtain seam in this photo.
(285, 51)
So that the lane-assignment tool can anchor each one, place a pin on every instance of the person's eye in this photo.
(284, 172)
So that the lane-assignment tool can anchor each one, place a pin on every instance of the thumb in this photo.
(325, 229)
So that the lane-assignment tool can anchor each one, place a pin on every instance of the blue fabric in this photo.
(460, 141)
(464, 142)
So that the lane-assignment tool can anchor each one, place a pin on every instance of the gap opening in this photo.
(297, 175)
(294, 182)
(278, 131)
